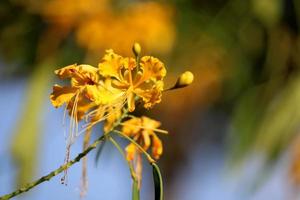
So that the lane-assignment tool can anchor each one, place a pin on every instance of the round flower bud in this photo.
(136, 48)
(184, 79)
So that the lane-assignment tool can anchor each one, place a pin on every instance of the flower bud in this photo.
(184, 79)
(136, 48)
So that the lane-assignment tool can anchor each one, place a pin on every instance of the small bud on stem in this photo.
(136, 48)
(183, 80)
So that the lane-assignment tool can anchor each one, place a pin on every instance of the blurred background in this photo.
(234, 133)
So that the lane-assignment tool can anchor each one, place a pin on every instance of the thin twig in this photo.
(114, 142)
(47, 177)
(62, 168)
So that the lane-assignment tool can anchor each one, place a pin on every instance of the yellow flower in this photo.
(97, 94)
(145, 81)
(142, 130)
(102, 30)
(84, 78)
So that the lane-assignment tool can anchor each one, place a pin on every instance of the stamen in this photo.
(116, 106)
(71, 138)
(64, 121)
(139, 169)
(142, 127)
(84, 180)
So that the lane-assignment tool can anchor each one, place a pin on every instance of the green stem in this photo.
(114, 142)
(47, 177)
(62, 168)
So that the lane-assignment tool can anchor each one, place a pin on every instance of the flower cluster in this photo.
(109, 93)
(98, 24)
(99, 92)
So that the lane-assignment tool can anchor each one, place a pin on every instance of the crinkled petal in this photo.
(150, 96)
(129, 63)
(71, 70)
(86, 74)
(61, 95)
(66, 72)
(111, 65)
(79, 74)
(152, 68)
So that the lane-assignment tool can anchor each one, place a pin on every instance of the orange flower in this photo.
(142, 130)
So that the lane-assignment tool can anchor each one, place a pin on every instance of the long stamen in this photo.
(73, 122)
(152, 129)
(139, 169)
(64, 121)
(117, 106)
(84, 180)
(76, 118)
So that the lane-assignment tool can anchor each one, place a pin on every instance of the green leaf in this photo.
(135, 190)
(28, 132)
(99, 151)
(158, 183)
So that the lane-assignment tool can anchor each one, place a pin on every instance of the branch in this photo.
(47, 177)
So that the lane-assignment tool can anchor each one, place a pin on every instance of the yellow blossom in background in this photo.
(142, 130)
(99, 24)
(149, 23)
(69, 13)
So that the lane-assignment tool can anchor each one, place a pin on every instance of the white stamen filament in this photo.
(145, 128)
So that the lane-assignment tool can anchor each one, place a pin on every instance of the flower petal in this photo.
(79, 74)
(113, 116)
(152, 68)
(150, 96)
(146, 139)
(150, 124)
(111, 65)
(104, 94)
(131, 127)
(157, 147)
(130, 151)
(129, 63)
(61, 95)
(83, 106)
